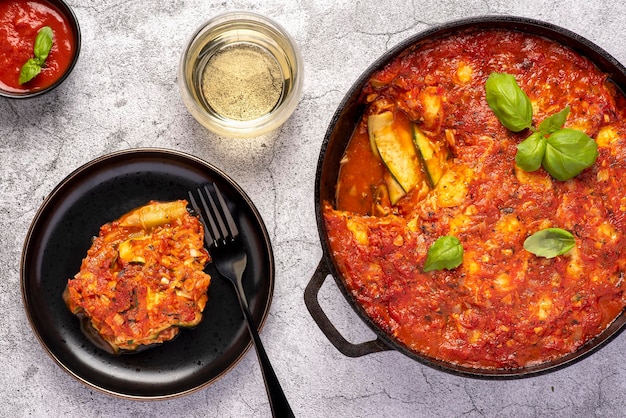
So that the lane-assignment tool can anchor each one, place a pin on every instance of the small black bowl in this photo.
(66, 11)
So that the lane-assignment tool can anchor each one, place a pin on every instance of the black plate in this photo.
(60, 235)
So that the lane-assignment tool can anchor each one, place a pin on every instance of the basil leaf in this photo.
(555, 122)
(507, 100)
(43, 44)
(445, 253)
(568, 152)
(530, 152)
(29, 71)
(550, 242)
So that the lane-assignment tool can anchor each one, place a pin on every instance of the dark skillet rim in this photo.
(602, 59)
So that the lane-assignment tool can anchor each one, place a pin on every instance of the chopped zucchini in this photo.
(394, 144)
(381, 205)
(127, 253)
(396, 192)
(376, 125)
(434, 154)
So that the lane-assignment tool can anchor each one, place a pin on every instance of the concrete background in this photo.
(123, 94)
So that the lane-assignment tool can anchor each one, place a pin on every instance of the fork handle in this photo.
(278, 401)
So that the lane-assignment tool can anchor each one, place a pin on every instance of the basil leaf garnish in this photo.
(29, 71)
(568, 152)
(563, 153)
(43, 45)
(445, 253)
(508, 102)
(555, 122)
(550, 242)
(530, 152)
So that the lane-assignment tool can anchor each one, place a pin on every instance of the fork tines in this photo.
(220, 227)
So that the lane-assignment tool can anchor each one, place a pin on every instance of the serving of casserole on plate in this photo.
(142, 279)
(64, 228)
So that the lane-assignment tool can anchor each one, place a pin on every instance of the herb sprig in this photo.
(41, 49)
(550, 242)
(445, 253)
(563, 152)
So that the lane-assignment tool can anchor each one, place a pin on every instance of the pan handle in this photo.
(312, 303)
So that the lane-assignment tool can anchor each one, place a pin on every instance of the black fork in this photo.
(229, 257)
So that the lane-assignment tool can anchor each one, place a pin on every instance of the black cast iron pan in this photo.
(338, 134)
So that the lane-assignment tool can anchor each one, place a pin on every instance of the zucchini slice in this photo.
(396, 192)
(434, 154)
(394, 144)
(376, 124)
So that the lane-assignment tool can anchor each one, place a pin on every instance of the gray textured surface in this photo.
(123, 94)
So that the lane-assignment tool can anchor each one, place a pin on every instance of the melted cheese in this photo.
(359, 231)
(452, 187)
(464, 73)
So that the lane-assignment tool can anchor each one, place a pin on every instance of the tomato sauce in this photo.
(503, 307)
(361, 184)
(20, 20)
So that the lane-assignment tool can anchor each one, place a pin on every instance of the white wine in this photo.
(241, 75)
(242, 82)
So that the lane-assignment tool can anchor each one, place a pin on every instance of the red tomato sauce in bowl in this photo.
(20, 20)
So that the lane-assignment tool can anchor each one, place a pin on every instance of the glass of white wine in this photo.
(241, 75)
